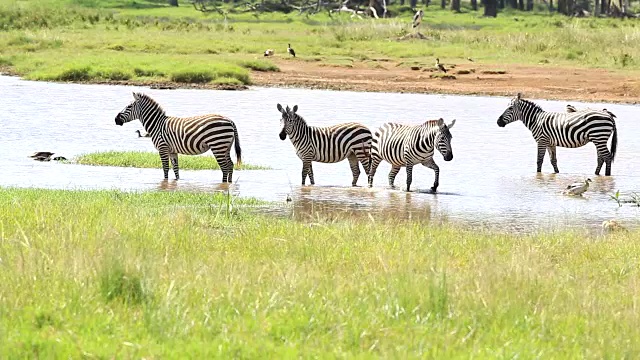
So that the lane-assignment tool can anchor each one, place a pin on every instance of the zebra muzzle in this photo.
(449, 157)
(119, 120)
(501, 122)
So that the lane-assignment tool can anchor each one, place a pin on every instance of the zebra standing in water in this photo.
(189, 135)
(571, 129)
(329, 144)
(406, 145)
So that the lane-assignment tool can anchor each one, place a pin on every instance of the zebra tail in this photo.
(614, 142)
(236, 141)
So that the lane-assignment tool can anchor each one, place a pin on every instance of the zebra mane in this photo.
(531, 104)
(153, 105)
(444, 130)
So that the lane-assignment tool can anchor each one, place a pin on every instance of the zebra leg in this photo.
(373, 166)
(392, 175)
(604, 156)
(409, 176)
(174, 160)
(552, 155)
(541, 150)
(355, 168)
(164, 158)
(230, 168)
(363, 156)
(226, 165)
(311, 181)
(305, 170)
(432, 165)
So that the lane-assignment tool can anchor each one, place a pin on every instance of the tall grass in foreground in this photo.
(165, 275)
(145, 159)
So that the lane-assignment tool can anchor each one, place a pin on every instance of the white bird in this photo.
(140, 135)
(268, 52)
(417, 18)
(578, 188)
(571, 108)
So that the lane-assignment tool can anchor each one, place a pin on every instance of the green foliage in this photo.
(110, 274)
(143, 159)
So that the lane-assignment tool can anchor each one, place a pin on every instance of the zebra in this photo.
(329, 144)
(188, 135)
(406, 145)
(571, 129)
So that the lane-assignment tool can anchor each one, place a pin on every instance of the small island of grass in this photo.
(146, 159)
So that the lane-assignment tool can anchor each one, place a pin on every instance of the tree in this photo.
(455, 5)
(474, 5)
(173, 2)
(490, 8)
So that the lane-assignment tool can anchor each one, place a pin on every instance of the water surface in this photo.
(491, 182)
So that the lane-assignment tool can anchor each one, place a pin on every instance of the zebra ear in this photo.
(136, 96)
(280, 108)
(440, 122)
(295, 108)
(452, 123)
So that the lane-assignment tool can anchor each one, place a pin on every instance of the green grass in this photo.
(144, 159)
(148, 41)
(160, 275)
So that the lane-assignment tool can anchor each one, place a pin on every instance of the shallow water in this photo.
(491, 182)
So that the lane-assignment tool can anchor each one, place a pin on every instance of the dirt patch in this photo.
(541, 81)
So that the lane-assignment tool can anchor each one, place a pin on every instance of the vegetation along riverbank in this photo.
(165, 274)
(148, 159)
(147, 42)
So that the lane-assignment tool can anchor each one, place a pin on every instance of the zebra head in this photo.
(443, 139)
(512, 113)
(132, 111)
(288, 121)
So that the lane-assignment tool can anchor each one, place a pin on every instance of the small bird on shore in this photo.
(571, 108)
(578, 188)
(268, 52)
(289, 198)
(38, 154)
(470, 59)
(417, 18)
(140, 135)
(60, 158)
(440, 66)
(290, 50)
(42, 158)
(612, 225)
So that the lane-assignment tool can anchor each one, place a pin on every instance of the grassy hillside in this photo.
(91, 40)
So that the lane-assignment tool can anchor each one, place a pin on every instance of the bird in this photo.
(288, 198)
(440, 66)
(268, 52)
(612, 225)
(470, 59)
(417, 18)
(42, 158)
(290, 50)
(571, 108)
(40, 154)
(60, 158)
(140, 135)
(578, 188)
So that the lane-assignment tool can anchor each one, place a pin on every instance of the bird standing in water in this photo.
(290, 50)
(578, 188)
(140, 135)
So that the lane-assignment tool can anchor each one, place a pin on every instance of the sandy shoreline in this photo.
(539, 82)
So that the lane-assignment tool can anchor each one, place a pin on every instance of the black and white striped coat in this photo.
(571, 129)
(188, 135)
(331, 144)
(407, 145)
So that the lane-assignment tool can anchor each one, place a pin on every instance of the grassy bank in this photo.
(162, 275)
(147, 42)
(145, 159)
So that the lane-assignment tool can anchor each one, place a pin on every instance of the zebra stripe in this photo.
(571, 129)
(405, 145)
(189, 135)
(329, 144)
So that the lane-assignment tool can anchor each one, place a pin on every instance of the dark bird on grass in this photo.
(289, 198)
(440, 66)
(60, 158)
(140, 135)
(470, 59)
(571, 108)
(268, 52)
(417, 18)
(290, 50)
(42, 158)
